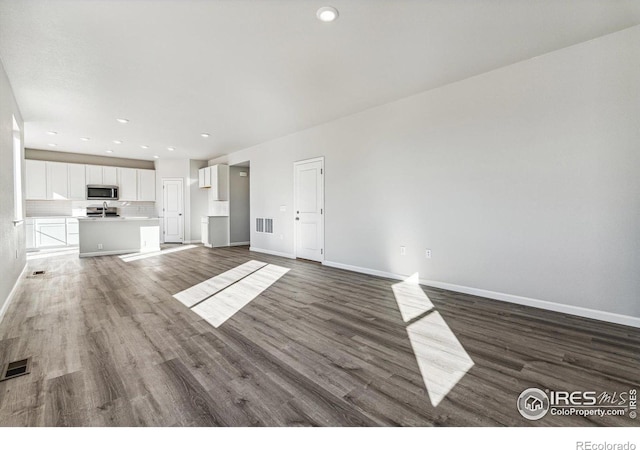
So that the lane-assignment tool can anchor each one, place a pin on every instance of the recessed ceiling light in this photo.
(171, 149)
(117, 142)
(109, 151)
(52, 133)
(144, 146)
(205, 135)
(156, 156)
(53, 145)
(123, 120)
(327, 14)
(85, 139)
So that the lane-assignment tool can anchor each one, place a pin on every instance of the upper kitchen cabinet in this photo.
(110, 176)
(77, 181)
(102, 175)
(54, 181)
(62, 181)
(219, 182)
(216, 178)
(128, 184)
(94, 174)
(204, 177)
(57, 181)
(146, 185)
(36, 180)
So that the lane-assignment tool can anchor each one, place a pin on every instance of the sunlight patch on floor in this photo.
(201, 291)
(222, 306)
(142, 255)
(411, 299)
(219, 298)
(441, 358)
(51, 253)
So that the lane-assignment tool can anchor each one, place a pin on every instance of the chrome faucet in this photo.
(104, 209)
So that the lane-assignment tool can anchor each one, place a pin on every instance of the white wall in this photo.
(522, 181)
(12, 238)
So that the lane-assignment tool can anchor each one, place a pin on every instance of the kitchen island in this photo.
(118, 235)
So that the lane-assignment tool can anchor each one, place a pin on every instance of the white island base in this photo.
(118, 235)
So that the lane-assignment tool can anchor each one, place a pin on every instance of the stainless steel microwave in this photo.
(101, 192)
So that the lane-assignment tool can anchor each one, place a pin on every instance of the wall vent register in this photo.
(264, 225)
(16, 368)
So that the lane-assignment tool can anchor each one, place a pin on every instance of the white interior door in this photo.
(309, 209)
(173, 209)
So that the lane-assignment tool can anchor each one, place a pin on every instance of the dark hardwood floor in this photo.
(320, 347)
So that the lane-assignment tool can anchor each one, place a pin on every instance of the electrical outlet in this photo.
(427, 253)
(282, 237)
(99, 246)
(283, 208)
(403, 251)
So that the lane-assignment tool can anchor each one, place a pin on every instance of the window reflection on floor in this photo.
(142, 255)
(441, 358)
(217, 299)
(48, 253)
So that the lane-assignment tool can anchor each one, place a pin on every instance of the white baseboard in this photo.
(271, 252)
(119, 252)
(525, 301)
(236, 244)
(12, 293)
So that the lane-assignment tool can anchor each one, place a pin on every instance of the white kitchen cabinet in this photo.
(146, 185)
(110, 176)
(73, 233)
(50, 232)
(30, 234)
(128, 184)
(219, 182)
(36, 182)
(94, 174)
(204, 177)
(216, 179)
(214, 231)
(204, 230)
(45, 232)
(102, 175)
(77, 181)
(57, 181)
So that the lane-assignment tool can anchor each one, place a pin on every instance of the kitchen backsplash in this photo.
(46, 208)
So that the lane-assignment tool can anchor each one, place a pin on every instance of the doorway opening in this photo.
(240, 204)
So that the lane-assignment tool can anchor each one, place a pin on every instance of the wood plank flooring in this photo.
(319, 347)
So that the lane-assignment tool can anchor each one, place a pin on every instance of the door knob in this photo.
(297, 218)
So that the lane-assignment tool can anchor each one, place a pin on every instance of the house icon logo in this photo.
(533, 404)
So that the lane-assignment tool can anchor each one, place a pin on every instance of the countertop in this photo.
(53, 217)
(114, 219)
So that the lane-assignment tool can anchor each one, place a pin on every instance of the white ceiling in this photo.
(249, 71)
